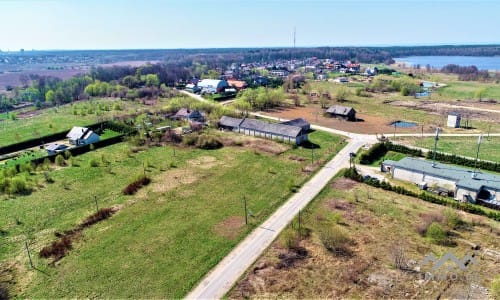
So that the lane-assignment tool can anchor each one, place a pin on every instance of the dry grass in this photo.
(230, 228)
(375, 225)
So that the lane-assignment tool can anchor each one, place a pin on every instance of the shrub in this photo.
(208, 142)
(59, 160)
(334, 239)
(57, 249)
(436, 233)
(67, 154)
(453, 220)
(134, 186)
(48, 178)
(100, 215)
(290, 238)
(93, 163)
(18, 185)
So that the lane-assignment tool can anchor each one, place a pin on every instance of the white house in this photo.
(79, 136)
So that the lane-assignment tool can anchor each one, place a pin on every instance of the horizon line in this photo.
(256, 47)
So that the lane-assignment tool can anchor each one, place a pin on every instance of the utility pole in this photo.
(300, 231)
(246, 214)
(29, 254)
(436, 139)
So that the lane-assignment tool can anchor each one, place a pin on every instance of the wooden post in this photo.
(29, 254)
(300, 232)
(246, 214)
(96, 206)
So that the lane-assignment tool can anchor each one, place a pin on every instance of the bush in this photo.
(290, 238)
(203, 141)
(100, 215)
(436, 233)
(93, 163)
(134, 186)
(67, 154)
(18, 185)
(334, 239)
(59, 160)
(453, 220)
(57, 249)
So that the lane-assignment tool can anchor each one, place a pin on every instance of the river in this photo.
(481, 62)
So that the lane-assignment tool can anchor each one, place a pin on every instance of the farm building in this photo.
(82, 136)
(454, 120)
(344, 112)
(463, 183)
(299, 122)
(280, 131)
(212, 85)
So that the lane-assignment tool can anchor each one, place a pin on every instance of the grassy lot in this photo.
(164, 238)
(52, 120)
(465, 146)
(354, 220)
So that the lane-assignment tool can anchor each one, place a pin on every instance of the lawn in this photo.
(355, 219)
(464, 146)
(164, 238)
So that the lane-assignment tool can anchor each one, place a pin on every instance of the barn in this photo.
(253, 127)
(464, 184)
(344, 112)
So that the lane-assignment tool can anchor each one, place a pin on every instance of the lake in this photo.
(481, 62)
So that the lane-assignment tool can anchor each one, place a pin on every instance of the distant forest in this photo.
(223, 57)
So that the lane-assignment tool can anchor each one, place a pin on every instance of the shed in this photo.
(55, 148)
(454, 120)
(344, 112)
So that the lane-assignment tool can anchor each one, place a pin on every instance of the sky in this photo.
(166, 24)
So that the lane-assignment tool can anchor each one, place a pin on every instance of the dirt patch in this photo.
(257, 144)
(170, 180)
(474, 110)
(230, 227)
(343, 184)
(338, 204)
(370, 124)
(203, 162)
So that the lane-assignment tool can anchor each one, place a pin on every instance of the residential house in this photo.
(79, 136)
(345, 112)
(187, 114)
(237, 84)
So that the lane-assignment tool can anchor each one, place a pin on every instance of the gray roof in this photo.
(279, 129)
(461, 176)
(230, 122)
(55, 147)
(297, 122)
(339, 110)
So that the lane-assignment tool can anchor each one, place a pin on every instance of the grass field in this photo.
(464, 146)
(52, 120)
(372, 227)
(164, 238)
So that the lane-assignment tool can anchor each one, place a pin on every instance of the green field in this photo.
(464, 146)
(57, 119)
(163, 239)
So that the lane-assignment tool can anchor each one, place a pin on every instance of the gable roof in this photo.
(230, 122)
(77, 132)
(55, 147)
(461, 176)
(340, 110)
(280, 129)
(300, 122)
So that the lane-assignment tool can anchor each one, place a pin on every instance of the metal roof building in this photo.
(465, 183)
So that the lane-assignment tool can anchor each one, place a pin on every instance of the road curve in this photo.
(220, 279)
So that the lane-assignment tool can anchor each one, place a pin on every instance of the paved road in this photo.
(218, 282)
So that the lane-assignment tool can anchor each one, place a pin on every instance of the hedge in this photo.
(459, 160)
